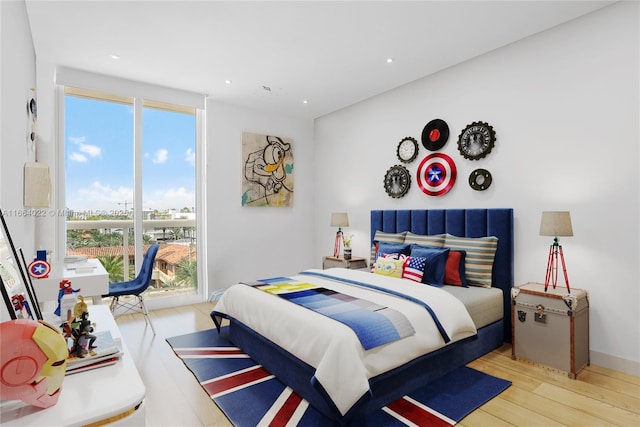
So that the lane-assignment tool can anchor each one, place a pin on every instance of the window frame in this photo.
(138, 103)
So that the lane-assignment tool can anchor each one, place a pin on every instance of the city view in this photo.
(113, 158)
(103, 237)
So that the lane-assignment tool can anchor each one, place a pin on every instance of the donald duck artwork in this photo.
(268, 170)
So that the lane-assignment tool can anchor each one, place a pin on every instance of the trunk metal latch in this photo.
(539, 315)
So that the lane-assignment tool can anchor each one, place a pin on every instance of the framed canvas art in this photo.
(267, 178)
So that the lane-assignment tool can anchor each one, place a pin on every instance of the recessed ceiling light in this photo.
(228, 82)
(305, 102)
(389, 60)
(114, 56)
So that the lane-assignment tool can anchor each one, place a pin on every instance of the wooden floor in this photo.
(537, 397)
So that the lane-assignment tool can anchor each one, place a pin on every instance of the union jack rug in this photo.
(250, 396)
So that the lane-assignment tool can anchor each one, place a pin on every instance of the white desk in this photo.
(93, 280)
(113, 392)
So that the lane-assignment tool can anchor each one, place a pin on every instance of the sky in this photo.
(99, 157)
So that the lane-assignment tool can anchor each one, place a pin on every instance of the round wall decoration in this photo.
(407, 150)
(397, 181)
(480, 179)
(476, 140)
(39, 269)
(436, 174)
(435, 134)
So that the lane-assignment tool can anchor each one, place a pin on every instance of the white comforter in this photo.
(342, 366)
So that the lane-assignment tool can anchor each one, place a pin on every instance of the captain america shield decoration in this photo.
(436, 174)
(39, 269)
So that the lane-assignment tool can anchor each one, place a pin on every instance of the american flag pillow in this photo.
(414, 268)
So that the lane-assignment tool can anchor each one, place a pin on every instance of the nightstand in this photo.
(354, 263)
(551, 327)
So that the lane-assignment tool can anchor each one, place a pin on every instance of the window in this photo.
(130, 181)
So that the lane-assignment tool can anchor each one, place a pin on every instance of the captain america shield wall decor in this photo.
(39, 269)
(436, 174)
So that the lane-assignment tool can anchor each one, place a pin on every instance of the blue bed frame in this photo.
(392, 385)
(463, 223)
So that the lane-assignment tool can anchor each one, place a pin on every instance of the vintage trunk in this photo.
(552, 327)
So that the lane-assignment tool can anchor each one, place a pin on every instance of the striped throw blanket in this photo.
(373, 324)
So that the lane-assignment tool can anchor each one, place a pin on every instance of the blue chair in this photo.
(135, 288)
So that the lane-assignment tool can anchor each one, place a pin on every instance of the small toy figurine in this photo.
(68, 332)
(65, 289)
(20, 305)
(84, 332)
(80, 307)
(80, 333)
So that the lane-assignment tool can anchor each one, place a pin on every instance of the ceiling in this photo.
(279, 54)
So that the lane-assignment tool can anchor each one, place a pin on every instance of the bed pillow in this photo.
(381, 236)
(428, 240)
(454, 273)
(383, 248)
(436, 260)
(414, 268)
(480, 253)
(390, 265)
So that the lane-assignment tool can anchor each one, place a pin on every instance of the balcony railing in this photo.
(126, 225)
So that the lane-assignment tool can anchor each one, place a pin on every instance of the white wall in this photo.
(248, 243)
(17, 77)
(564, 104)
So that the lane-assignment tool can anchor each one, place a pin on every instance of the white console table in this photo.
(111, 395)
(89, 276)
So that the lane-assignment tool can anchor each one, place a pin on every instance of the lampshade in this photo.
(556, 223)
(339, 219)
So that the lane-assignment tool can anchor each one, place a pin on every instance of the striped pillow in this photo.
(481, 252)
(428, 240)
(381, 236)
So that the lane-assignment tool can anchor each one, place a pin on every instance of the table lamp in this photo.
(555, 223)
(339, 219)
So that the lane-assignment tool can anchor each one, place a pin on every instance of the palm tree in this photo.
(187, 272)
(114, 266)
(176, 233)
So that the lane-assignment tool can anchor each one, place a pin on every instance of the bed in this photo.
(275, 333)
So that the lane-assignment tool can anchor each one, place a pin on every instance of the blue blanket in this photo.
(441, 329)
(373, 324)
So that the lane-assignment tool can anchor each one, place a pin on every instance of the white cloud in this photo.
(160, 156)
(77, 157)
(99, 196)
(190, 157)
(177, 198)
(91, 150)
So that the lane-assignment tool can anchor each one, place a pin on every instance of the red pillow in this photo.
(454, 273)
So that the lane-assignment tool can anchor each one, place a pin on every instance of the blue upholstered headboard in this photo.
(464, 223)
